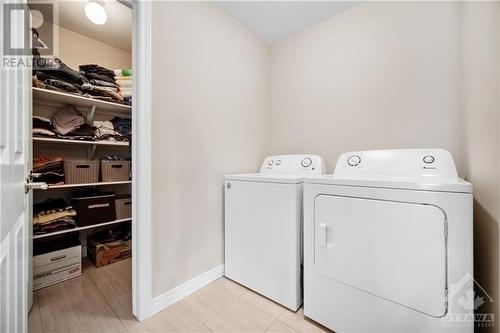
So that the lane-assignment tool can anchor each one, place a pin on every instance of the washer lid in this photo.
(290, 169)
(267, 178)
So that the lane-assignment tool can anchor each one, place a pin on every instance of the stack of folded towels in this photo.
(123, 78)
(53, 215)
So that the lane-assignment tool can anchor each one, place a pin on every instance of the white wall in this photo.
(76, 49)
(210, 118)
(378, 76)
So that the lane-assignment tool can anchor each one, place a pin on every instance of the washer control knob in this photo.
(429, 159)
(354, 160)
(306, 162)
(270, 162)
(278, 162)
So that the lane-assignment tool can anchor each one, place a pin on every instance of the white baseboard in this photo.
(173, 295)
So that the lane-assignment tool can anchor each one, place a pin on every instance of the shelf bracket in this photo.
(91, 152)
(91, 114)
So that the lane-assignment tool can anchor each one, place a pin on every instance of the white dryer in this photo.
(388, 244)
(263, 227)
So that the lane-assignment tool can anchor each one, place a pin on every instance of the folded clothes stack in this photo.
(102, 81)
(53, 215)
(124, 80)
(123, 126)
(55, 75)
(51, 169)
(93, 81)
(42, 127)
(70, 124)
(106, 132)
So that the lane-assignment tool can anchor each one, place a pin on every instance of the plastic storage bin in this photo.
(115, 171)
(81, 171)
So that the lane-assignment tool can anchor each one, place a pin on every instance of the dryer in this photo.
(263, 227)
(388, 244)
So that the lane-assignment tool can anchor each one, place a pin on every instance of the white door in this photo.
(14, 156)
(388, 249)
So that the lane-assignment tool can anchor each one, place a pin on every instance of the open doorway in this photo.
(81, 147)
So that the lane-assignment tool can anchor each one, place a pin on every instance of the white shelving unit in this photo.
(64, 186)
(46, 103)
(80, 228)
(81, 142)
(58, 99)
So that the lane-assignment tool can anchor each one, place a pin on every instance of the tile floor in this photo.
(100, 301)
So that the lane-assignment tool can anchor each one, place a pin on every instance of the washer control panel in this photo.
(397, 162)
(287, 164)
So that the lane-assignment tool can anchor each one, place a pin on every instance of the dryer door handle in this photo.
(322, 234)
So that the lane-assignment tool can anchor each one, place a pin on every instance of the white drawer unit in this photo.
(56, 266)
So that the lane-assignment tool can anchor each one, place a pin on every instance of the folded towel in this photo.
(124, 83)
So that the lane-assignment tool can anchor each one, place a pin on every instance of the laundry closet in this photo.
(81, 146)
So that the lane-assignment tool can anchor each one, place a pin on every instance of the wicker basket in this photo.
(81, 171)
(115, 171)
(123, 204)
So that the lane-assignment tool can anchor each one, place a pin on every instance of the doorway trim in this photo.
(141, 162)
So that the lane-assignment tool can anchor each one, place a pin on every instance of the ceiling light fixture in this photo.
(95, 12)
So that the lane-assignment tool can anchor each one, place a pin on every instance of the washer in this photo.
(263, 227)
(388, 244)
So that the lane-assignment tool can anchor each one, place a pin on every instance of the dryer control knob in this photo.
(429, 159)
(306, 162)
(354, 160)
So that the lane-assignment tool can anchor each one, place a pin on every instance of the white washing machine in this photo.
(388, 244)
(263, 227)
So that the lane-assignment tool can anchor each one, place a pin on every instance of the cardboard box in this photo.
(102, 254)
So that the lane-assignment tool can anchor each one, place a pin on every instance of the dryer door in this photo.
(393, 250)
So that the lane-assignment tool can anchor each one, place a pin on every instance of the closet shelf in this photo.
(81, 142)
(80, 228)
(55, 97)
(54, 187)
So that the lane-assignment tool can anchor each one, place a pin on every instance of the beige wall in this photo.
(399, 75)
(378, 76)
(480, 139)
(76, 49)
(210, 118)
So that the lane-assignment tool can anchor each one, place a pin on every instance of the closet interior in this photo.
(81, 143)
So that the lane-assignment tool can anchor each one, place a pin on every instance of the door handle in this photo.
(35, 186)
(322, 234)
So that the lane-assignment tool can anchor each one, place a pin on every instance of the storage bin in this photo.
(56, 266)
(115, 171)
(81, 171)
(123, 205)
(94, 209)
